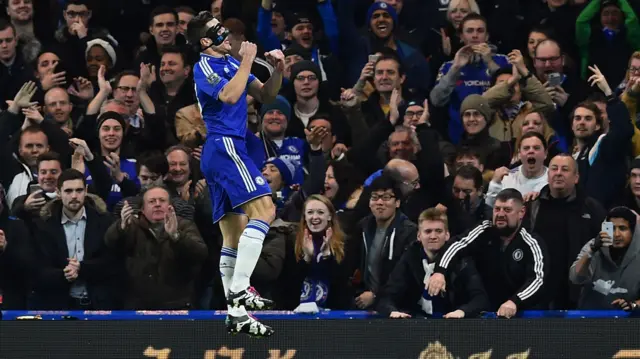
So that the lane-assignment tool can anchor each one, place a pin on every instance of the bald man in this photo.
(58, 106)
(566, 219)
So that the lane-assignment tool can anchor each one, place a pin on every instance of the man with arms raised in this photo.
(240, 195)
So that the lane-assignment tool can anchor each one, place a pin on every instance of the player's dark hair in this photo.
(197, 28)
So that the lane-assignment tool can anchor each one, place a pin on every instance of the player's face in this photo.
(179, 170)
(225, 47)
(274, 123)
(111, 133)
(317, 216)
(273, 177)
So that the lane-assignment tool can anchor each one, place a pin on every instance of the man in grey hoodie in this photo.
(608, 266)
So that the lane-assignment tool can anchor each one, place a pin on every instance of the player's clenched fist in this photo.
(248, 50)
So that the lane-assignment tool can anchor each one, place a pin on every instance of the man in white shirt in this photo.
(529, 177)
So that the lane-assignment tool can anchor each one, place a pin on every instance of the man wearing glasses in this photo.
(565, 90)
(386, 232)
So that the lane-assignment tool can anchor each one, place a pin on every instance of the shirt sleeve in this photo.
(207, 80)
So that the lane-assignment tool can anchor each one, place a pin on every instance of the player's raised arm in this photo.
(267, 92)
(232, 91)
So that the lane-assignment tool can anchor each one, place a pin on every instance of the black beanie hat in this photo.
(305, 65)
(111, 115)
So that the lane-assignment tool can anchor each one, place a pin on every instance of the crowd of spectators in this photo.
(425, 156)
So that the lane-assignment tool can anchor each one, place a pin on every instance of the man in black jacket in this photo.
(14, 251)
(73, 269)
(386, 232)
(512, 263)
(405, 291)
(566, 219)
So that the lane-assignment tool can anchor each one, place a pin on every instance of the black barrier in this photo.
(334, 339)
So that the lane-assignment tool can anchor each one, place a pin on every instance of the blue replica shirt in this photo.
(210, 76)
(475, 78)
(128, 167)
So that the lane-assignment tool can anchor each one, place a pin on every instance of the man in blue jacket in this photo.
(469, 72)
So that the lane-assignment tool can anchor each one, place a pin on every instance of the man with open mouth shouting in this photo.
(529, 177)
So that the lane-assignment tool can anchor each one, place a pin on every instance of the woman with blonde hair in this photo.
(536, 121)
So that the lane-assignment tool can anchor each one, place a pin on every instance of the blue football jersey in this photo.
(210, 76)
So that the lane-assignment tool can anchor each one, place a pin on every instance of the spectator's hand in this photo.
(201, 187)
(437, 284)
(463, 57)
(73, 262)
(84, 91)
(248, 51)
(104, 86)
(446, 43)
(598, 79)
(601, 240)
(483, 50)
(307, 246)
(367, 71)
(3, 241)
(426, 115)
(23, 97)
(499, 174)
(51, 80)
(276, 59)
(147, 76)
(32, 114)
(349, 98)
(515, 76)
(456, 314)
(315, 137)
(81, 148)
(112, 161)
(338, 149)
(633, 86)
(78, 29)
(34, 201)
(171, 222)
(531, 196)
(197, 153)
(441, 207)
(558, 94)
(325, 248)
(394, 103)
(399, 315)
(126, 215)
(184, 191)
(365, 300)
(624, 304)
(517, 60)
(508, 309)
(72, 269)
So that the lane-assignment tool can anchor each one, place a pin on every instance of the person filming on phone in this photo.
(27, 207)
(608, 265)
